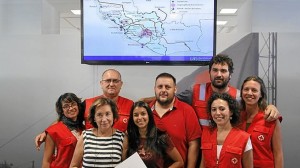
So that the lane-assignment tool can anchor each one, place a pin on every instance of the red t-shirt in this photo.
(181, 124)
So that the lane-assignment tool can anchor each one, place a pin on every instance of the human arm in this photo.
(202, 161)
(271, 113)
(125, 147)
(176, 157)
(40, 138)
(147, 100)
(277, 146)
(78, 154)
(193, 152)
(186, 95)
(48, 152)
(247, 160)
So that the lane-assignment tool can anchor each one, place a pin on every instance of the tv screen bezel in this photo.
(139, 62)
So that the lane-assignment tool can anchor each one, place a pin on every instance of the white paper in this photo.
(133, 161)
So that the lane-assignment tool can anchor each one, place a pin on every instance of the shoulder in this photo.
(180, 105)
(208, 130)
(120, 98)
(88, 131)
(198, 85)
(260, 115)
(119, 133)
(241, 132)
(55, 126)
(91, 99)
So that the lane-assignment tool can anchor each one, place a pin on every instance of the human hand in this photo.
(147, 99)
(39, 139)
(271, 113)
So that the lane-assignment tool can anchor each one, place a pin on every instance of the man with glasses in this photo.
(111, 84)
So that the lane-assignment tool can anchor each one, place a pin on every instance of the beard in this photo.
(164, 102)
(222, 85)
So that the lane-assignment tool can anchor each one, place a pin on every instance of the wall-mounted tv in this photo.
(148, 32)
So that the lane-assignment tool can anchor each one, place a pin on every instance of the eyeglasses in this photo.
(68, 106)
(107, 81)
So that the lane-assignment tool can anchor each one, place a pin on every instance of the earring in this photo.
(230, 118)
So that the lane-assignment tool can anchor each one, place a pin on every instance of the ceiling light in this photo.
(76, 12)
(228, 11)
(221, 22)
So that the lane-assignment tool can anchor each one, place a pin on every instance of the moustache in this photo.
(218, 78)
(163, 94)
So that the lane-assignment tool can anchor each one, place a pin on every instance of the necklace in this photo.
(104, 155)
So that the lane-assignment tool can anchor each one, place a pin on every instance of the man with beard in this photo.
(177, 118)
(220, 71)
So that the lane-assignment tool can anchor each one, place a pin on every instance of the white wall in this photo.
(243, 27)
(35, 69)
(289, 94)
(282, 16)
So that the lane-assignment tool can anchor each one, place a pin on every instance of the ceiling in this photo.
(70, 21)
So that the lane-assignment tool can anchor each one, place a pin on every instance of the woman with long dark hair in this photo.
(152, 145)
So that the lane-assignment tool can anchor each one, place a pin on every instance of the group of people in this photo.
(204, 126)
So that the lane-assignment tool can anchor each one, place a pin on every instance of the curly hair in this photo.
(232, 104)
(99, 103)
(69, 98)
(221, 59)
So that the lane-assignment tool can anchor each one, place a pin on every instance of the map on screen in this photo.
(148, 30)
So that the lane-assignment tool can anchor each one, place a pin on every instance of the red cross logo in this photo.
(261, 138)
(234, 160)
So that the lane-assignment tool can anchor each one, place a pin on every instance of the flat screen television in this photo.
(148, 32)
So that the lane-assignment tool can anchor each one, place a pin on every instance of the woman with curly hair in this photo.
(223, 144)
(62, 136)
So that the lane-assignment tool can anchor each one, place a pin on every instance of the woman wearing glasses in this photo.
(62, 136)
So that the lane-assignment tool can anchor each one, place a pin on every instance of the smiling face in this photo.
(140, 117)
(111, 83)
(70, 110)
(220, 112)
(251, 92)
(165, 90)
(219, 75)
(104, 117)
